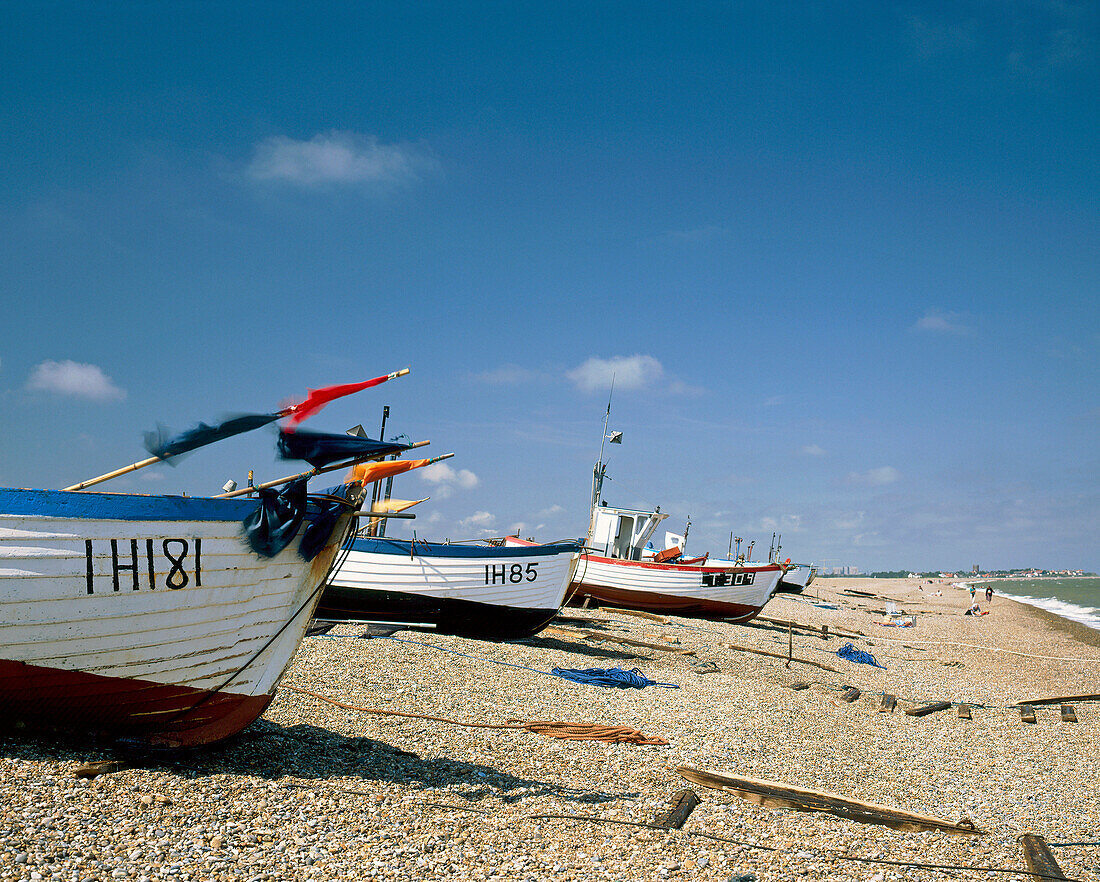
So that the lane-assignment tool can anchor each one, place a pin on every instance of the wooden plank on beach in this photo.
(798, 686)
(683, 804)
(775, 794)
(850, 694)
(636, 612)
(888, 703)
(926, 709)
(964, 712)
(1061, 699)
(1069, 714)
(1039, 858)
(1027, 713)
(600, 637)
(801, 661)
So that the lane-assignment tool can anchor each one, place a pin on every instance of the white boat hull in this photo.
(486, 592)
(145, 617)
(708, 590)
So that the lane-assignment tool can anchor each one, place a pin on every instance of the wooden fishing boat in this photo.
(620, 566)
(150, 618)
(487, 592)
(796, 579)
(614, 570)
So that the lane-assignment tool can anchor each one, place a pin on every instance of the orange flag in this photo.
(369, 472)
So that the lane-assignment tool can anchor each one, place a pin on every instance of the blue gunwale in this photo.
(421, 548)
(121, 506)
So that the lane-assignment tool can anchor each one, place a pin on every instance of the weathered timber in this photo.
(798, 685)
(99, 767)
(850, 694)
(1040, 861)
(801, 661)
(1069, 714)
(683, 804)
(775, 794)
(964, 712)
(611, 638)
(772, 624)
(824, 632)
(925, 709)
(1061, 699)
(1027, 713)
(636, 612)
(888, 703)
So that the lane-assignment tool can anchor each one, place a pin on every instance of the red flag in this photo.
(318, 398)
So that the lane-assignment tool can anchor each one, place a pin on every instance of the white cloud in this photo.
(480, 521)
(629, 372)
(812, 450)
(938, 322)
(335, 157)
(874, 477)
(447, 480)
(75, 379)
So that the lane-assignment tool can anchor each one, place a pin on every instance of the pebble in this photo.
(317, 792)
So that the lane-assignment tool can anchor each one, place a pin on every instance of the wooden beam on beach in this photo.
(1060, 699)
(1027, 713)
(1069, 714)
(888, 703)
(801, 661)
(683, 804)
(1039, 858)
(636, 612)
(775, 794)
(798, 686)
(850, 694)
(964, 712)
(599, 637)
(926, 709)
(95, 768)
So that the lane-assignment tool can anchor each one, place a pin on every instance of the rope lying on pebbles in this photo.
(825, 855)
(553, 729)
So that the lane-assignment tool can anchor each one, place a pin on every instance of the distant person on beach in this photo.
(988, 593)
(971, 587)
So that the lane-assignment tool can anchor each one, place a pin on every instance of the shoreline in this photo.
(319, 792)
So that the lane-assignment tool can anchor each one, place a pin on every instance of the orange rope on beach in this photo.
(555, 729)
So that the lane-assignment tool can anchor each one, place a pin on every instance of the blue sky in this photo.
(842, 259)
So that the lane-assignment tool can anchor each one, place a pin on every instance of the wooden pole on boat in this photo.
(134, 466)
(244, 491)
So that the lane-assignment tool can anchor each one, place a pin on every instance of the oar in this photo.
(315, 400)
(309, 474)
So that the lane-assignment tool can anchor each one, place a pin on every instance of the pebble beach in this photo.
(318, 791)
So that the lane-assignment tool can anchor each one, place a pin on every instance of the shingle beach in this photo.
(318, 791)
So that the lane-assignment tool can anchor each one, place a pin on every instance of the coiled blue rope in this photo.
(859, 656)
(615, 678)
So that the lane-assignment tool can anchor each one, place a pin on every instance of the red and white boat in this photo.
(619, 566)
(150, 618)
(616, 571)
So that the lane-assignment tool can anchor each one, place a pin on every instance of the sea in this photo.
(1071, 598)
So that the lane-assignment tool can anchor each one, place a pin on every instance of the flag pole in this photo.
(317, 471)
(134, 466)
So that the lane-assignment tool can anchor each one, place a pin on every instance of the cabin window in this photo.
(624, 536)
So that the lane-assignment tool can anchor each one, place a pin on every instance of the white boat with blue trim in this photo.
(148, 618)
(503, 591)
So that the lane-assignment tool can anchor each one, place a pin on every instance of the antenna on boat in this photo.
(600, 469)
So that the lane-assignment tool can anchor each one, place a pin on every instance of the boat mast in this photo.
(599, 471)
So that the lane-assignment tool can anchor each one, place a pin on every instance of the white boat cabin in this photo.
(622, 532)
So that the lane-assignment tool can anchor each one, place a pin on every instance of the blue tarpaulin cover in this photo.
(320, 449)
(276, 520)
